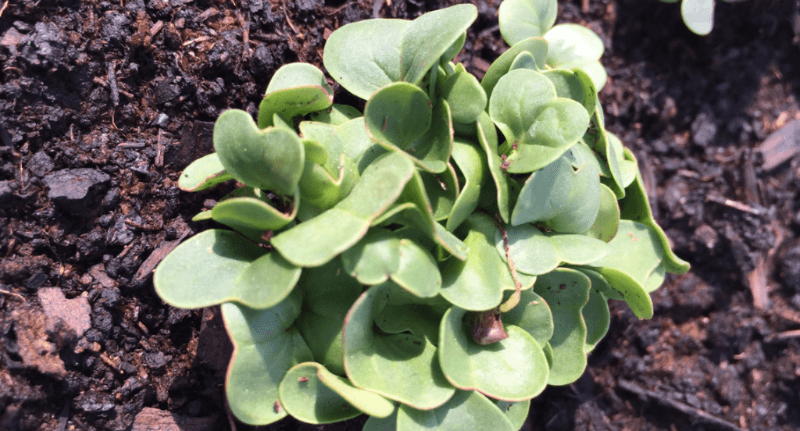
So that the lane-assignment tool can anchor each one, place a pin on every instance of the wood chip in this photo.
(780, 146)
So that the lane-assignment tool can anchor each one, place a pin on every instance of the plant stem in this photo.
(514, 299)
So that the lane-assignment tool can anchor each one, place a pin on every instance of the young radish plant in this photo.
(410, 262)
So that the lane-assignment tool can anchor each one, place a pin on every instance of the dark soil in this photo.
(102, 104)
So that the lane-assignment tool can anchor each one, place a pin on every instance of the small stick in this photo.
(14, 294)
(159, 151)
(689, 410)
(785, 335)
(515, 297)
(5, 5)
(735, 205)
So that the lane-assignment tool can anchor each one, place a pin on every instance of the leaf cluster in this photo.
(410, 262)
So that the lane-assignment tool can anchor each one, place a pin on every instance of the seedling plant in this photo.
(409, 262)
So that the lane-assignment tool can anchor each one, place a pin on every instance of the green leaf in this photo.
(636, 207)
(398, 114)
(314, 242)
(571, 46)
(203, 173)
(566, 291)
(637, 254)
(532, 315)
(431, 152)
(248, 210)
(466, 410)
(314, 395)
(545, 193)
(597, 317)
(525, 108)
(698, 15)
(401, 367)
(219, 266)
(606, 224)
(381, 424)
(522, 19)
(419, 319)
(295, 89)
(430, 36)
(335, 115)
(536, 253)
(472, 164)
(478, 282)
(606, 152)
(464, 95)
(381, 256)
(576, 85)
(536, 46)
(584, 197)
(513, 369)
(270, 159)
(265, 347)
(516, 412)
(637, 251)
(328, 293)
(487, 137)
(365, 56)
(442, 191)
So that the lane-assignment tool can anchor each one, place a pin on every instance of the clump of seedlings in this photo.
(409, 262)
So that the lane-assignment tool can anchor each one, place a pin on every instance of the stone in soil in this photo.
(78, 191)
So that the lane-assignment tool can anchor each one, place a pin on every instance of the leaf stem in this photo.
(514, 299)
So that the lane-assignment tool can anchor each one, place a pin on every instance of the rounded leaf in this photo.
(219, 266)
(467, 410)
(398, 114)
(401, 367)
(698, 15)
(513, 369)
(270, 159)
(203, 173)
(522, 19)
(312, 394)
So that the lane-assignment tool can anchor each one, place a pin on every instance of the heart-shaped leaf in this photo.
(497, 370)
(464, 95)
(430, 36)
(295, 89)
(365, 56)
(487, 137)
(466, 410)
(539, 127)
(522, 19)
(265, 347)
(583, 205)
(431, 152)
(270, 159)
(534, 252)
(314, 243)
(381, 256)
(401, 367)
(219, 266)
(566, 292)
(576, 85)
(536, 46)
(203, 173)
(314, 395)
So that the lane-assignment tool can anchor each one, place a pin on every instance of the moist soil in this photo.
(102, 104)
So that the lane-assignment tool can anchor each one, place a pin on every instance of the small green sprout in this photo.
(698, 15)
(410, 262)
